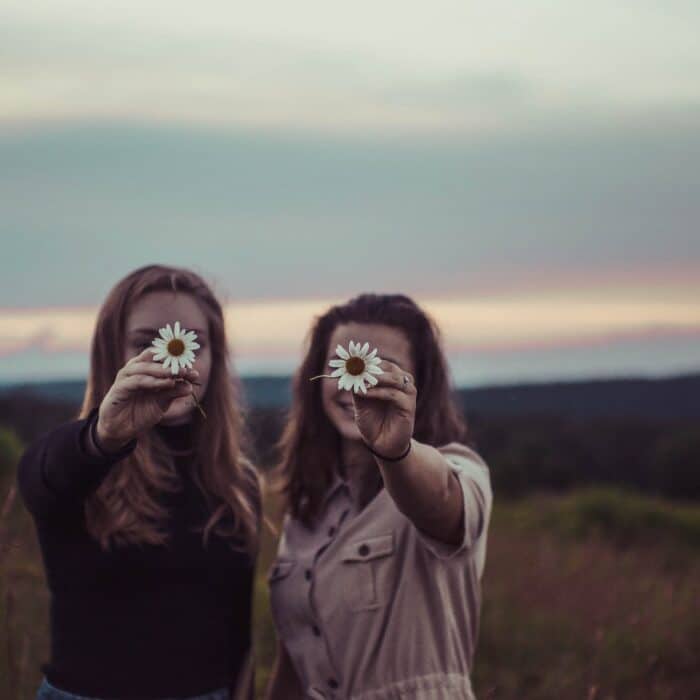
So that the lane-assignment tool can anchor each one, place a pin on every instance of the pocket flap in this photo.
(369, 548)
(280, 569)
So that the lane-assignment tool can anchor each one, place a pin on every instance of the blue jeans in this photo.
(48, 692)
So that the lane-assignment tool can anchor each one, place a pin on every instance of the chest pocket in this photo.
(280, 569)
(281, 595)
(369, 569)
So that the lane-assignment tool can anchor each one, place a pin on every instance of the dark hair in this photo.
(310, 443)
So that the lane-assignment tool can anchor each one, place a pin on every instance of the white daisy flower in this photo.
(175, 347)
(355, 367)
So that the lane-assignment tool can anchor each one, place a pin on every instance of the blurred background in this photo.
(528, 172)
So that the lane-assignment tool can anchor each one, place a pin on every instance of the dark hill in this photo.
(655, 399)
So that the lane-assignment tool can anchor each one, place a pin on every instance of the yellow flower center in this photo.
(355, 366)
(176, 347)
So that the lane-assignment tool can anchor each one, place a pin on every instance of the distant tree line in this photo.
(529, 452)
(525, 453)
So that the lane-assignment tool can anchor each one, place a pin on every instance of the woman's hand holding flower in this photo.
(139, 398)
(385, 416)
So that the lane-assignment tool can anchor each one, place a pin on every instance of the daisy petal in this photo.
(362, 386)
(338, 372)
(168, 360)
(176, 330)
(374, 369)
(342, 352)
(174, 367)
(370, 378)
(159, 343)
(193, 345)
(371, 355)
(336, 363)
(365, 349)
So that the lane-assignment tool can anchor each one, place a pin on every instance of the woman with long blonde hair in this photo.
(147, 509)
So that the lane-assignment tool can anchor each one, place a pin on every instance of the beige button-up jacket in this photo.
(370, 608)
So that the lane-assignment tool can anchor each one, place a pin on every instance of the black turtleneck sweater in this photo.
(134, 622)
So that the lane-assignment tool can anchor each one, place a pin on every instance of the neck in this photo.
(360, 471)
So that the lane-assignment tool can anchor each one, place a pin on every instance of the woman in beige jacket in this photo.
(375, 591)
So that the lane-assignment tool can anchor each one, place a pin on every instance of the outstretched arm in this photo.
(417, 476)
(427, 491)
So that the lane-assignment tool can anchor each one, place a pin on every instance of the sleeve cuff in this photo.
(89, 428)
(473, 477)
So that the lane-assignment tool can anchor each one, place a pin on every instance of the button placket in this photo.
(326, 671)
(328, 677)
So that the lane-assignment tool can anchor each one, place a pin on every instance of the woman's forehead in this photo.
(156, 309)
(389, 340)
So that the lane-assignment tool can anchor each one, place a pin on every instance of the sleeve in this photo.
(473, 478)
(57, 471)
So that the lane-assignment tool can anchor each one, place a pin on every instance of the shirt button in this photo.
(307, 574)
(333, 683)
(363, 550)
(316, 631)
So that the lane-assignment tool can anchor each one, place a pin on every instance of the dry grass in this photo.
(587, 620)
(564, 617)
(23, 602)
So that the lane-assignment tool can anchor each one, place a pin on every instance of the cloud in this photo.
(449, 66)
(448, 150)
(267, 216)
(278, 327)
(491, 339)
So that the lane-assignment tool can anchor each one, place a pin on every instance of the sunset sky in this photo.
(527, 171)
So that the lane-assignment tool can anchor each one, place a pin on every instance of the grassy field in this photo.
(594, 595)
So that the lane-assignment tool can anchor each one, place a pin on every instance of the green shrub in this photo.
(621, 517)
(10, 451)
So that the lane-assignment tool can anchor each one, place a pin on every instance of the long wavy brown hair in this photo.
(310, 444)
(125, 508)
